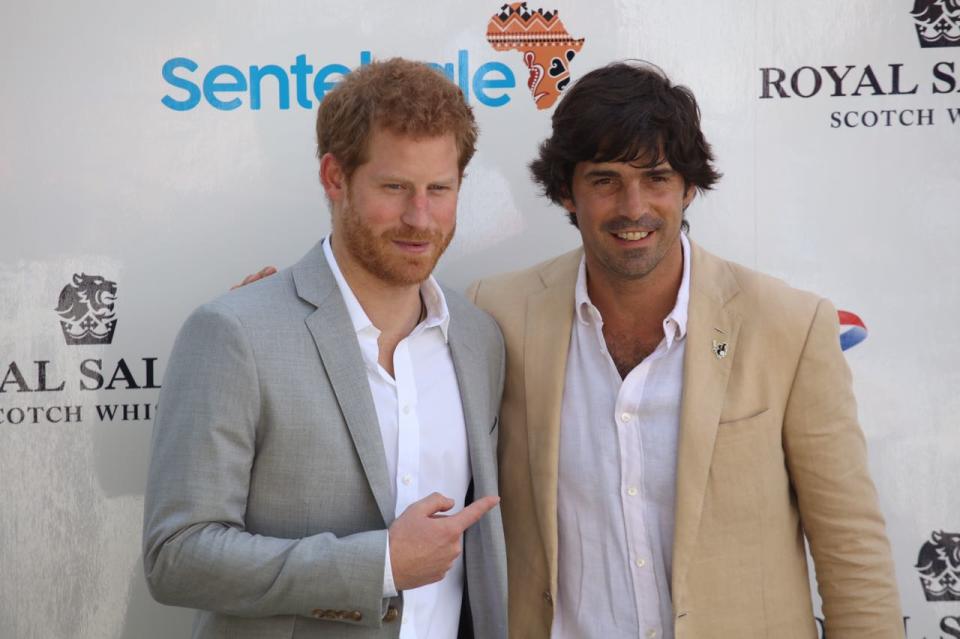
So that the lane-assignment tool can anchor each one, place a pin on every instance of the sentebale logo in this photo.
(302, 84)
(544, 43)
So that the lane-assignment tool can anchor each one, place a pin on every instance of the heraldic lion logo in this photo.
(939, 567)
(86, 310)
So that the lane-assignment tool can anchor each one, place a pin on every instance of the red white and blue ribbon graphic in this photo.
(856, 330)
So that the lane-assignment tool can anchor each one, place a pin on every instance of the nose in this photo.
(417, 211)
(634, 201)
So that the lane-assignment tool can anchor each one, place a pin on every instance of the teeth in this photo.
(633, 236)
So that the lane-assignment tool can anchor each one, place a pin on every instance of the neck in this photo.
(394, 309)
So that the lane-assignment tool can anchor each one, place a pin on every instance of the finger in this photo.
(432, 504)
(472, 513)
(267, 271)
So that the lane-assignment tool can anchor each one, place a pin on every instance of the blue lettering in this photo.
(223, 85)
(211, 87)
(193, 91)
(301, 70)
(481, 83)
(463, 75)
(320, 84)
(283, 85)
(445, 69)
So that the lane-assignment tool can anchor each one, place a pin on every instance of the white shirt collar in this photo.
(436, 304)
(674, 324)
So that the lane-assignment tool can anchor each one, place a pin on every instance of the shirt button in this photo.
(624, 417)
(641, 563)
(651, 633)
(406, 479)
(632, 491)
(406, 409)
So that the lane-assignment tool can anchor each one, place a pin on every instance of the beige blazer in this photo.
(770, 450)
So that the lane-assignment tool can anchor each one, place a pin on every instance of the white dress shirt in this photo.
(617, 484)
(424, 438)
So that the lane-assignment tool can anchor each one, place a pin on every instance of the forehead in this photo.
(392, 151)
(635, 166)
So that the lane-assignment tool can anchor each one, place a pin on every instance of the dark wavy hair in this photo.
(624, 112)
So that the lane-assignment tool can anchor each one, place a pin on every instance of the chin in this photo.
(408, 272)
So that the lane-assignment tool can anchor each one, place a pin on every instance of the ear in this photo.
(332, 177)
(566, 200)
(688, 197)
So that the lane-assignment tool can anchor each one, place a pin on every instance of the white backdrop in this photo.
(99, 176)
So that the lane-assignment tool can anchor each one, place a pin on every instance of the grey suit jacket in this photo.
(268, 500)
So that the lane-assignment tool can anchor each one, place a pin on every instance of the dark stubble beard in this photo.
(378, 255)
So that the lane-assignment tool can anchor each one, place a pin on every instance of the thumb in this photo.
(472, 513)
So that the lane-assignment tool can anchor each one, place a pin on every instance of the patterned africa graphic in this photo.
(544, 43)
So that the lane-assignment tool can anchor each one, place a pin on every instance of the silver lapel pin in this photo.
(719, 349)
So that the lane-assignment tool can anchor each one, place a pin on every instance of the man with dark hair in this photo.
(316, 469)
(673, 424)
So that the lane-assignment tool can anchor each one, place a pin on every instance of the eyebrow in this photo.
(601, 173)
(445, 181)
(663, 169)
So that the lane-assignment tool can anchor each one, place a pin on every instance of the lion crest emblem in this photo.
(939, 567)
(86, 310)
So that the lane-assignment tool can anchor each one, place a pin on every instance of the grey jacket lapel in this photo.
(339, 350)
(472, 378)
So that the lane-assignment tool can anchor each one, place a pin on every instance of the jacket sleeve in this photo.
(196, 550)
(827, 460)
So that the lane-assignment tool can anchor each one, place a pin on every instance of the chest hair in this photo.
(628, 349)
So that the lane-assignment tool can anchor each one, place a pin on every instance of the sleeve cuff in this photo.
(389, 588)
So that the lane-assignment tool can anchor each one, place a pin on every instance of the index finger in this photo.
(472, 513)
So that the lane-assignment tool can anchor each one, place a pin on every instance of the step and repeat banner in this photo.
(152, 154)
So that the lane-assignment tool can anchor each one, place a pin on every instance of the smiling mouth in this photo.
(631, 236)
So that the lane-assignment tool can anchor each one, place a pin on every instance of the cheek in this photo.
(374, 211)
(668, 203)
(444, 212)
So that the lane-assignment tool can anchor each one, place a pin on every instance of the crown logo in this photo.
(937, 22)
(939, 567)
(86, 310)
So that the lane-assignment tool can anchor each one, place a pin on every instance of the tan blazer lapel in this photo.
(712, 330)
(546, 343)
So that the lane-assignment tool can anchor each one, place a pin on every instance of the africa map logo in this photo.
(544, 43)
